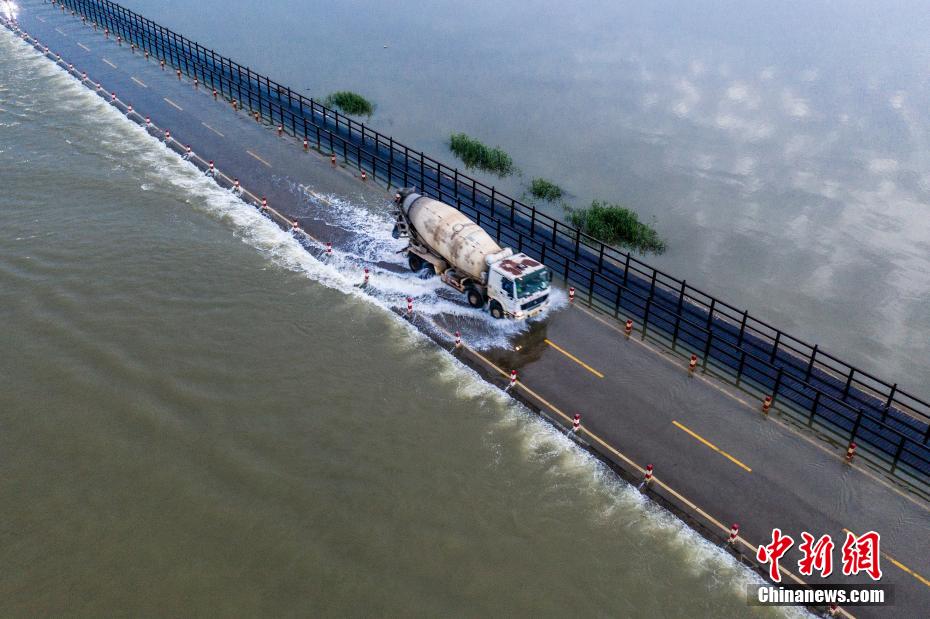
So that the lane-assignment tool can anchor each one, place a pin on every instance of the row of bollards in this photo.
(575, 429)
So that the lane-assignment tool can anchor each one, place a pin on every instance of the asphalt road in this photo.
(718, 460)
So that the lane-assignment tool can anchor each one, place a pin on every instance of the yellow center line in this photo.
(213, 130)
(173, 104)
(900, 565)
(138, 81)
(575, 359)
(84, 47)
(259, 158)
(804, 437)
(109, 63)
(712, 446)
(690, 504)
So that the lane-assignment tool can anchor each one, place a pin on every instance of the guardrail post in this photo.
(810, 364)
(777, 384)
(742, 362)
(710, 339)
(626, 268)
(775, 347)
(600, 258)
(810, 419)
(742, 329)
(855, 429)
(897, 454)
(848, 382)
(889, 401)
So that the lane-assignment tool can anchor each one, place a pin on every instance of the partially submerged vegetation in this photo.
(350, 103)
(616, 225)
(474, 154)
(545, 190)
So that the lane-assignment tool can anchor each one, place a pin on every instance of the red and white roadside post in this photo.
(365, 282)
(628, 327)
(458, 339)
(571, 294)
(332, 158)
(576, 424)
(647, 477)
(306, 144)
(692, 364)
(734, 533)
(265, 205)
(329, 249)
(766, 404)
(513, 380)
(850, 452)
(409, 306)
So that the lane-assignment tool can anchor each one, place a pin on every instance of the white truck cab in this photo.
(519, 285)
(466, 258)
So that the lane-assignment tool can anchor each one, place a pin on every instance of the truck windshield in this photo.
(531, 284)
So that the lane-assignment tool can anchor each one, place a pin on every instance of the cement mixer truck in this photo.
(465, 257)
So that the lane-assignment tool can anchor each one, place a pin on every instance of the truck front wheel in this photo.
(475, 298)
(415, 262)
(497, 312)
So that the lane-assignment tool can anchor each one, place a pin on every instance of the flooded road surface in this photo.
(782, 150)
(197, 417)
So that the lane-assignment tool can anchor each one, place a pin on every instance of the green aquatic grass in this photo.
(475, 154)
(545, 190)
(350, 103)
(616, 225)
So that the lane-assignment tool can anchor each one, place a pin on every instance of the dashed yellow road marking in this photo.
(173, 104)
(259, 158)
(900, 565)
(109, 63)
(921, 503)
(213, 130)
(138, 81)
(84, 47)
(711, 445)
(690, 504)
(574, 358)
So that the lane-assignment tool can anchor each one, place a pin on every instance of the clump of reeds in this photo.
(616, 225)
(350, 103)
(475, 154)
(545, 190)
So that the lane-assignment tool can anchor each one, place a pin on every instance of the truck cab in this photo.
(518, 287)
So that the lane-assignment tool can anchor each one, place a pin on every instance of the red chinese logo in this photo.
(771, 553)
(861, 554)
(817, 555)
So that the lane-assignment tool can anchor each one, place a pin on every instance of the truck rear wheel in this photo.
(415, 262)
(475, 298)
(497, 312)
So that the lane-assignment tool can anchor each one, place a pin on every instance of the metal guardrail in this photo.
(848, 402)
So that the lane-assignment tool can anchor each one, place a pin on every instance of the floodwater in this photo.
(199, 418)
(781, 148)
